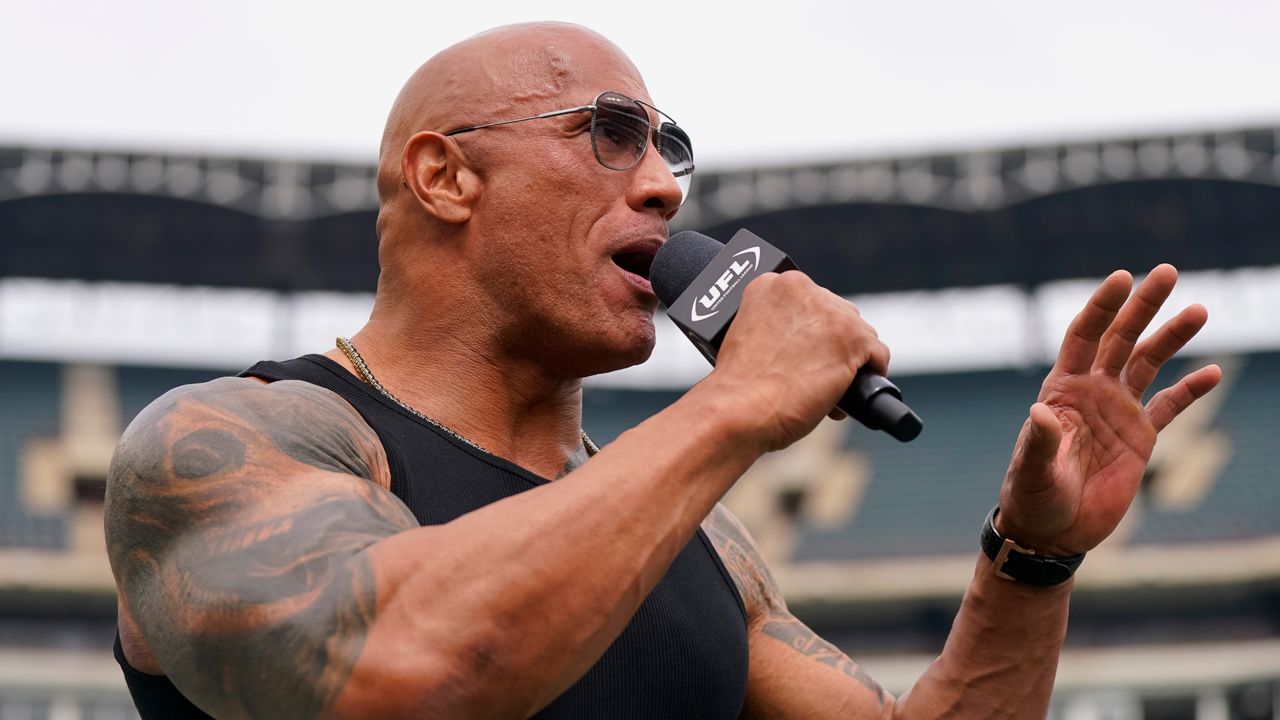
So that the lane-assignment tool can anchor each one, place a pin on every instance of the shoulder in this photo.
(249, 400)
(741, 557)
(196, 431)
(234, 508)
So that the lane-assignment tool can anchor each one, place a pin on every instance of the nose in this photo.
(653, 187)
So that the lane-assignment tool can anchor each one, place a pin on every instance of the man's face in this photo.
(564, 243)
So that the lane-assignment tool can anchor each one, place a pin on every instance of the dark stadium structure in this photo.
(1028, 215)
(1194, 579)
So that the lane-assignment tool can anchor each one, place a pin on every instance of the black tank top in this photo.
(684, 653)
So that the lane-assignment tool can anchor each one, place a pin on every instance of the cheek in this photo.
(566, 176)
(550, 209)
(546, 220)
(536, 285)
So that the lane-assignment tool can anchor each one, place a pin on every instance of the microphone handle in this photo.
(877, 403)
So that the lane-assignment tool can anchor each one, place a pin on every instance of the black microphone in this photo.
(701, 280)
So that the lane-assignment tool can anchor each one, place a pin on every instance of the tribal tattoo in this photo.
(237, 515)
(765, 603)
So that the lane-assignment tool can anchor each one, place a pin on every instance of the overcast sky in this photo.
(753, 82)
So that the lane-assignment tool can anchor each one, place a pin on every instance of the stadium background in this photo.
(125, 271)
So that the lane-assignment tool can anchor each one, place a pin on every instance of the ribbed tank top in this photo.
(684, 653)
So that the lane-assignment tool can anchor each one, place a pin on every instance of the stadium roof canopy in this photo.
(981, 244)
(1023, 214)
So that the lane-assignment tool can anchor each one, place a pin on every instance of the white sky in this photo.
(753, 82)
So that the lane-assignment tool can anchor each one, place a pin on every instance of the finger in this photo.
(837, 414)
(877, 353)
(1171, 401)
(1036, 456)
(1080, 346)
(1118, 341)
(1152, 353)
(878, 358)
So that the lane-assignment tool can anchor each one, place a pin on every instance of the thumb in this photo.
(1042, 439)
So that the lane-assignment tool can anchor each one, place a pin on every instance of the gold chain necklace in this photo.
(366, 374)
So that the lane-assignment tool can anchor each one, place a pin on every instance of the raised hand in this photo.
(1083, 451)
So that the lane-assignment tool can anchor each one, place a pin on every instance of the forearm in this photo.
(1001, 656)
(507, 606)
(272, 575)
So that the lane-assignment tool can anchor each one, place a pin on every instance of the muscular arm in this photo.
(272, 574)
(999, 660)
(238, 522)
(1076, 466)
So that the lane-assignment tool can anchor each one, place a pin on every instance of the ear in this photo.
(438, 175)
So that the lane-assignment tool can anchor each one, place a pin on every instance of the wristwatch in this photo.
(1014, 562)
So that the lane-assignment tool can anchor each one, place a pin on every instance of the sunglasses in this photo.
(620, 134)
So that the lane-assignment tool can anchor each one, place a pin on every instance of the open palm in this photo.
(1084, 448)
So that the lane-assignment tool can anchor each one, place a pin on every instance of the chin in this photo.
(635, 354)
(628, 344)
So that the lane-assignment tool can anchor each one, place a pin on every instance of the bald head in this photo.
(499, 74)
(494, 235)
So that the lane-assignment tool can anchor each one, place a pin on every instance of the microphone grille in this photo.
(678, 262)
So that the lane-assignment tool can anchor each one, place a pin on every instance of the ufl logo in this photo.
(711, 300)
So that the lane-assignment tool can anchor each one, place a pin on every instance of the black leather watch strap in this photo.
(1014, 562)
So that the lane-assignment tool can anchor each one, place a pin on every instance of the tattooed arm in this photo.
(999, 661)
(239, 516)
(1077, 464)
(793, 672)
(266, 569)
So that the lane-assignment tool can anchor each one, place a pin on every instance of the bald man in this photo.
(414, 524)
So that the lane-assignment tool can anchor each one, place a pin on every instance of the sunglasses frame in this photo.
(655, 132)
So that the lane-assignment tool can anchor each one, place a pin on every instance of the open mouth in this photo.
(636, 263)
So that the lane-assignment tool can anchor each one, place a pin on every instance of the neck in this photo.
(466, 382)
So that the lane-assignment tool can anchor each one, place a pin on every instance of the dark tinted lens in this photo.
(676, 149)
(620, 131)
(677, 152)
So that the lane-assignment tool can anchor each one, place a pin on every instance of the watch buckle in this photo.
(1002, 557)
